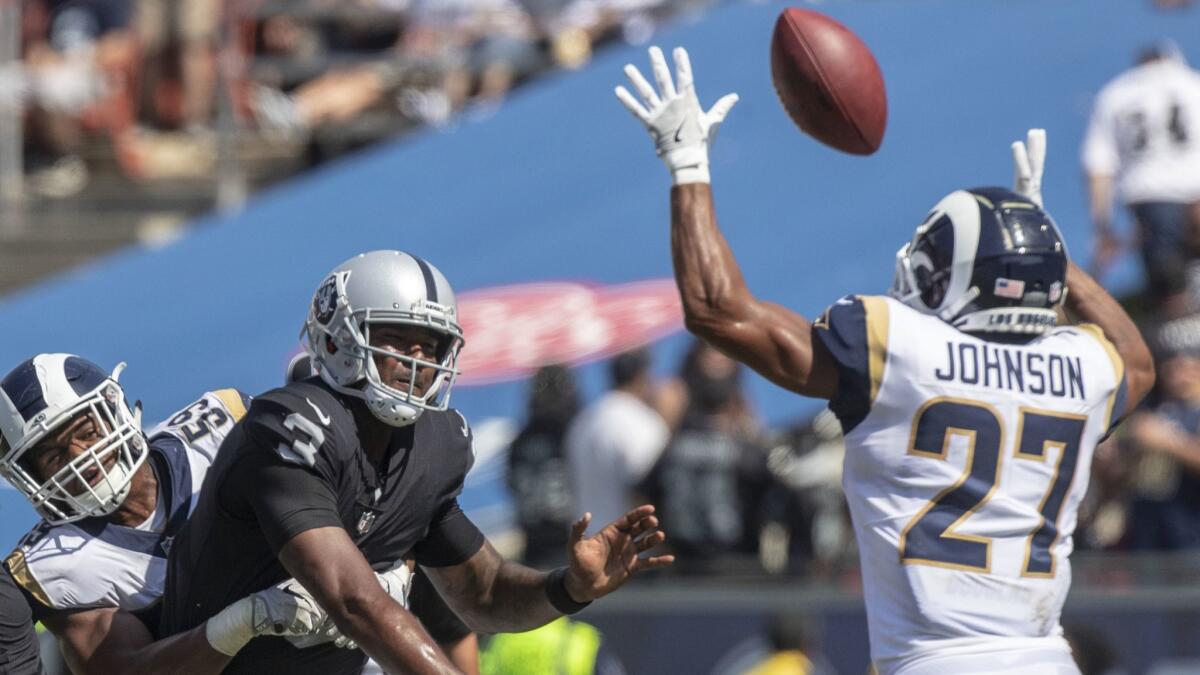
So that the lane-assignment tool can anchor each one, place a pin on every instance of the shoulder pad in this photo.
(204, 424)
(299, 419)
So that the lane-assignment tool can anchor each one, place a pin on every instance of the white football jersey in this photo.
(965, 464)
(94, 563)
(1145, 131)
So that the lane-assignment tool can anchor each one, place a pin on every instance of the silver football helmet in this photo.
(383, 287)
(42, 395)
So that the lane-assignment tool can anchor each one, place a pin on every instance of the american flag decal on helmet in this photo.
(1009, 288)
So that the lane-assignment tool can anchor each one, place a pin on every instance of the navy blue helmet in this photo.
(985, 260)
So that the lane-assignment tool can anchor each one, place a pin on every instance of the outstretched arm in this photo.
(495, 595)
(717, 305)
(107, 640)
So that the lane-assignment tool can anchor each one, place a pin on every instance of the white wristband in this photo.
(232, 627)
(691, 174)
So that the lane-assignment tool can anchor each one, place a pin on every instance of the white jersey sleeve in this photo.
(965, 464)
(94, 563)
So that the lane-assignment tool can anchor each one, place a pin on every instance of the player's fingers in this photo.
(627, 522)
(639, 111)
(683, 69)
(1020, 162)
(579, 527)
(721, 108)
(643, 87)
(653, 562)
(1036, 146)
(644, 525)
(662, 74)
(650, 541)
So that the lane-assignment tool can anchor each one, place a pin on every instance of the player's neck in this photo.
(373, 435)
(142, 499)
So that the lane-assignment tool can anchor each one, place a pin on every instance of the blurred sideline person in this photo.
(111, 499)
(328, 477)
(564, 646)
(444, 626)
(615, 441)
(969, 417)
(539, 476)
(1166, 437)
(710, 480)
(1142, 140)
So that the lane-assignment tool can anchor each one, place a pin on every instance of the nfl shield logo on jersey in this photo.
(365, 521)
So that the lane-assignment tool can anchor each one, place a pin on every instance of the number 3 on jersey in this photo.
(930, 537)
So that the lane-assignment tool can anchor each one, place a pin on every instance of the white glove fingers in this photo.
(662, 73)
(1036, 145)
(643, 87)
(721, 108)
(683, 69)
(1021, 168)
(639, 111)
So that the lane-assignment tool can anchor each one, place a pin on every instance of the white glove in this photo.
(681, 130)
(282, 610)
(396, 582)
(1029, 161)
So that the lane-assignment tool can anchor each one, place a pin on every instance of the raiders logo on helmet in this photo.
(325, 300)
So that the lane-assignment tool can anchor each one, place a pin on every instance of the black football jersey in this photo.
(294, 464)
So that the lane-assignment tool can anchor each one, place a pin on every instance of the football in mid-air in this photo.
(828, 81)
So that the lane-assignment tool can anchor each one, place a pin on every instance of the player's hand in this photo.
(1105, 250)
(1029, 162)
(284, 609)
(681, 130)
(396, 582)
(601, 563)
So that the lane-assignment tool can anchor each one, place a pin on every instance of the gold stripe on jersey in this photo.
(233, 402)
(1118, 365)
(876, 311)
(21, 574)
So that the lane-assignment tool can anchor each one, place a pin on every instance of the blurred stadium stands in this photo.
(558, 184)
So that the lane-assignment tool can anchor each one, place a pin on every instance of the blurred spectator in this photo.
(180, 39)
(709, 482)
(1165, 512)
(538, 475)
(805, 514)
(80, 61)
(1142, 139)
(564, 646)
(791, 649)
(615, 441)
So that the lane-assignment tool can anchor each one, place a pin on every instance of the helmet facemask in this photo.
(337, 336)
(97, 481)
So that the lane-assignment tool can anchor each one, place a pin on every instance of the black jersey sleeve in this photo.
(18, 641)
(452, 538)
(287, 475)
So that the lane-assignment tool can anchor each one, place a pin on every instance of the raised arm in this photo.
(1087, 301)
(717, 305)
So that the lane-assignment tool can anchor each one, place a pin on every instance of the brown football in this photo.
(828, 81)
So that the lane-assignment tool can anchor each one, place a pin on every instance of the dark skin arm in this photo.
(717, 306)
(494, 595)
(464, 653)
(108, 640)
(327, 563)
(1088, 302)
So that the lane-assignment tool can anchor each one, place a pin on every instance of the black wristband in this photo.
(556, 591)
